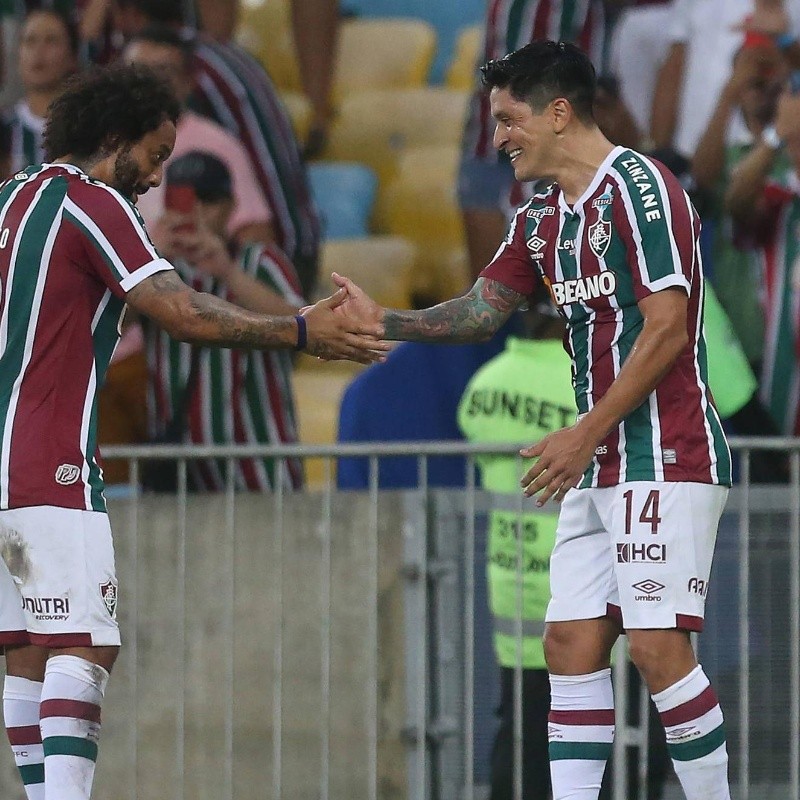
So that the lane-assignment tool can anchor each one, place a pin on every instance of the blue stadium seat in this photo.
(447, 17)
(344, 193)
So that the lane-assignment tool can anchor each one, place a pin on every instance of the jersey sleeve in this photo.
(659, 226)
(272, 267)
(117, 247)
(512, 265)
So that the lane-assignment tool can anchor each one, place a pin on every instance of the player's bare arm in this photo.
(205, 319)
(563, 456)
(473, 317)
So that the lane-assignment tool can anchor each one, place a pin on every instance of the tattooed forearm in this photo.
(206, 319)
(475, 317)
(226, 325)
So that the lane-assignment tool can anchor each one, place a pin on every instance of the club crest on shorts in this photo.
(108, 591)
(600, 237)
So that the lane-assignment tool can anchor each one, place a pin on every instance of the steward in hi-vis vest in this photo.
(521, 395)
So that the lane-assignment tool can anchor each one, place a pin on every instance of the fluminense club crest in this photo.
(600, 237)
(108, 591)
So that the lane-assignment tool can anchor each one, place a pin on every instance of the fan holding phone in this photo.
(215, 396)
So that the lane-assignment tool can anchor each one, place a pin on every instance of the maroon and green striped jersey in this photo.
(511, 24)
(70, 249)
(633, 232)
(236, 396)
(779, 254)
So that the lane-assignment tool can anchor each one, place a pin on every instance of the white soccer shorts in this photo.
(58, 586)
(640, 552)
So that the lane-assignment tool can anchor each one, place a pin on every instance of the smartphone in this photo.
(182, 199)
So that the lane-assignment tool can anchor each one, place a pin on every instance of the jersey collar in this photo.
(593, 185)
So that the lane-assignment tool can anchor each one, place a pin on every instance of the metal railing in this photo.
(311, 644)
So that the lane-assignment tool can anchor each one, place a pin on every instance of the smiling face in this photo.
(45, 52)
(132, 169)
(528, 137)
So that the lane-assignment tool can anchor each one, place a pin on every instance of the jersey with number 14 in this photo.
(70, 249)
(633, 232)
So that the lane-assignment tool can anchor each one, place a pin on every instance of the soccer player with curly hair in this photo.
(73, 254)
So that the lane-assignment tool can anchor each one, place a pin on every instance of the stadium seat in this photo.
(383, 54)
(420, 203)
(344, 193)
(462, 71)
(299, 110)
(376, 127)
(265, 31)
(447, 19)
(318, 392)
(381, 265)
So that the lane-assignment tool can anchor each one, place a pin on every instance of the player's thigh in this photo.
(664, 536)
(63, 566)
(582, 582)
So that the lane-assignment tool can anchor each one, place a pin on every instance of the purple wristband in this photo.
(302, 333)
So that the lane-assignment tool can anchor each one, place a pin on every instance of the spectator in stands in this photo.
(638, 47)
(745, 108)
(767, 214)
(208, 395)
(486, 177)
(233, 89)
(163, 49)
(47, 56)
(377, 408)
(705, 35)
(314, 26)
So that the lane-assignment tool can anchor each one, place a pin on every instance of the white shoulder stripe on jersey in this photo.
(135, 278)
(30, 334)
(676, 257)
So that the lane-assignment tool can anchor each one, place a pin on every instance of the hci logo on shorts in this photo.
(108, 591)
(67, 474)
(631, 553)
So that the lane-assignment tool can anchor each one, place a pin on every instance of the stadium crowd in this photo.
(292, 159)
(706, 87)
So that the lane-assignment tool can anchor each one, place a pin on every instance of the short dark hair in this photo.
(166, 36)
(105, 106)
(204, 172)
(167, 12)
(542, 71)
(70, 28)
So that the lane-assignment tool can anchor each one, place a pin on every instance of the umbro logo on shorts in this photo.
(649, 590)
(67, 474)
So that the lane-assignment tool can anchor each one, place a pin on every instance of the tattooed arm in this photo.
(205, 319)
(474, 317)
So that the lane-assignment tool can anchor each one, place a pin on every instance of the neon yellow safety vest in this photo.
(520, 395)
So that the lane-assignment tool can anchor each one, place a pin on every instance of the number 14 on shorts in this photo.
(648, 511)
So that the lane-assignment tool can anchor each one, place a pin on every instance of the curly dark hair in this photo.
(103, 107)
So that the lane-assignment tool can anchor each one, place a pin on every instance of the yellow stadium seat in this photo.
(383, 54)
(381, 265)
(317, 394)
(377, 126)
(265, 31)
(421, 204)
(462, 70)
(299, 110)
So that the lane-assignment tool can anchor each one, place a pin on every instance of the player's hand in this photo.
(336, 336)
(358, 305)
(563, 457)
